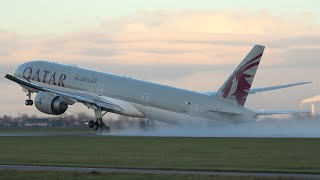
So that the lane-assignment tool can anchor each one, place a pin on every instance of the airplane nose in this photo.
(19, 70)
(16, 70)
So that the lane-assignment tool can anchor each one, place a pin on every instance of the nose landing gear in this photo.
(29, 102)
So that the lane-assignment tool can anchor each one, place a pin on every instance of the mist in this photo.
(292, 127)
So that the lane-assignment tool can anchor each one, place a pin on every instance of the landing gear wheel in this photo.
(95, 126)
(147, 125)
(143, 125)
(29, 102)
(91, 123)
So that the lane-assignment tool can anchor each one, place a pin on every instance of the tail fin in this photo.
(237, 87)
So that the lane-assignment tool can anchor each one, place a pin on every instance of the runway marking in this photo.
(148, 171)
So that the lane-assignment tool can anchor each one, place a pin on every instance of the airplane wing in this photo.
(270, 88)
(89, 99)
(273, 112)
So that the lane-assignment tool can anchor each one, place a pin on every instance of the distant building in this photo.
(27, 121)
(39, 122)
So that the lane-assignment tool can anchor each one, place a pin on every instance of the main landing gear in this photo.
(29, 102)
(99, 125)
(145, 125)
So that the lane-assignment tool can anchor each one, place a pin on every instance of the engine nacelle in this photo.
(49, 104)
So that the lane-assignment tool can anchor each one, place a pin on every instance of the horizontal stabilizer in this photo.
(270, 88)
(273, 112)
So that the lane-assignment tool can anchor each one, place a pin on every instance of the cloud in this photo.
(298, 57)
(217, 22)
(96, 52)
(165, 37)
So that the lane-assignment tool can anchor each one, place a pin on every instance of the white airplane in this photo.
(58, 86)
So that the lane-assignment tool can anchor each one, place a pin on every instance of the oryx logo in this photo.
(40, 100)
(239, 85)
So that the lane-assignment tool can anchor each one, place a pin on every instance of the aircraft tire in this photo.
(28, 102)
(143, 125)
(91, 123)
(95, 126)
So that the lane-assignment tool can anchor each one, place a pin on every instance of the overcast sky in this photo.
(190, 44)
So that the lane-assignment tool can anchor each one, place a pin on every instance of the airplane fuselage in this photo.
(154, 101)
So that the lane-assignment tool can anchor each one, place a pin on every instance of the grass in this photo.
(52, 175)
(218, 154)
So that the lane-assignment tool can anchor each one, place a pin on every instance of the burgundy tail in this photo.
(237, 87)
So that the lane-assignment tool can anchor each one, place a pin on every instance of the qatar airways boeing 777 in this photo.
(58, 86)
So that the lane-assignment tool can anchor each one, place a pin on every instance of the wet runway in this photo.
(147, 171)
(274, 128)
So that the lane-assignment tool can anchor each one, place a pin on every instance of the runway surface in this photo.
(147, 171)
(269, 128)
(29, 134)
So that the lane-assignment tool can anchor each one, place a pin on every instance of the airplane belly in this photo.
(185, 119)
(171, 117)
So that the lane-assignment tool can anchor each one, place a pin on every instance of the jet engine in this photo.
(50, 104)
